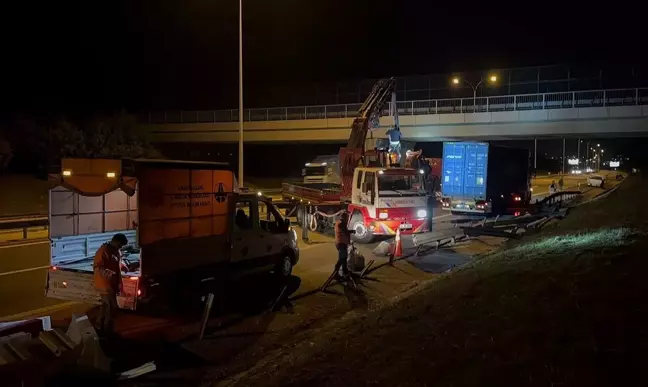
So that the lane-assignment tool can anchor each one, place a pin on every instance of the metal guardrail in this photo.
(23, 224)
(539, 101)
(558, 198)
(13, 223)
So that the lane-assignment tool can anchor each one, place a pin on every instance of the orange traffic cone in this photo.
(398, 247)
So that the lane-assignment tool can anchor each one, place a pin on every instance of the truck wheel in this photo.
(362, 232)
(284, 266)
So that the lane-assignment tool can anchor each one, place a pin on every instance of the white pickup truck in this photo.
(188, 229)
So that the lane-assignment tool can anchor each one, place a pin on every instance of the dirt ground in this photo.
(564, 308)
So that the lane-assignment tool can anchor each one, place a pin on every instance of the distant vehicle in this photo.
(589, 170)
(595, 181)
(188, 229)
(576, 172)
(323, 169)
(483, 179)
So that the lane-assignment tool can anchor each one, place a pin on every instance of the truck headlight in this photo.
(383, 215)
(421, 213)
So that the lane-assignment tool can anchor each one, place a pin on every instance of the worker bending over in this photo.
(107, 281)
(342, 242)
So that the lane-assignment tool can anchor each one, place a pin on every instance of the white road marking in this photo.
(12, 245)
(40, 311)
(441, 216)
(23, 270)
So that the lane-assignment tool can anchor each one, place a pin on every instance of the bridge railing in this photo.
(539, 101)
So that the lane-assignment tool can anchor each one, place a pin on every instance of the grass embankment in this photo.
(566, 308)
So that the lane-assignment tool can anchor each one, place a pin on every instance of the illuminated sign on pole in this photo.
(572, 161)
(615, 164)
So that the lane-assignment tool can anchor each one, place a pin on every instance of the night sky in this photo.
(91, 55)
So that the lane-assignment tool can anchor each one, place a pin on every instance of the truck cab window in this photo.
(369, 179)
(269, 219)
(243, 216)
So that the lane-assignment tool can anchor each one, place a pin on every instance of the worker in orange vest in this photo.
(342, 242)
(107, 281)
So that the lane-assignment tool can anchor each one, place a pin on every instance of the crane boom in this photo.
(368, 117)
(370, 111)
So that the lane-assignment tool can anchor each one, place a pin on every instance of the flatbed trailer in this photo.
(312, 193)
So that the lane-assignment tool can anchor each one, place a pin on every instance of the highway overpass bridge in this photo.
(599, 113)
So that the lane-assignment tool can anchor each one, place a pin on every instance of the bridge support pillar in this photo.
(535, 154)
(563, 157)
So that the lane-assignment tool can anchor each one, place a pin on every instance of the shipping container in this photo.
(482, 178)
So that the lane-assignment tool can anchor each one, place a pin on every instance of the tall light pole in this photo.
(240, 150)
(491, 79)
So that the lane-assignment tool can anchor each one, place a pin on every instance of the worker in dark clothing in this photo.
(342, 241)
(107, 281)
(394, 144)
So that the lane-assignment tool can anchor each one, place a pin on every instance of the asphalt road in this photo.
(23, 268)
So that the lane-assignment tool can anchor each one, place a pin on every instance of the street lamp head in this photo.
(598, 144)
(455, 80)
(493, 78)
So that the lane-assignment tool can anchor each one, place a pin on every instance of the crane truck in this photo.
(380, 195)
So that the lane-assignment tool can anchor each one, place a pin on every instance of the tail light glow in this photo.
(517, 198)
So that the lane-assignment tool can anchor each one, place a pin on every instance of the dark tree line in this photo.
(31, 144)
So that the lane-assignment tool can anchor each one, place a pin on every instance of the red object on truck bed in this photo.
(316, 193)
(435, 167)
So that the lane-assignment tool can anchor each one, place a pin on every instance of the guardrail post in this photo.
(573, 99)
(305, 112)
(514, 102)
(637, 96)
(543, 101)
(214, 115)
(487, 104)
(412, 111)
(604, 96)
(325, 111)
(436, 106)
(286, 113)
(460, 105)
(346, 110)
(267, 114)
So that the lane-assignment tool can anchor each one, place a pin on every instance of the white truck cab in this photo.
(323, 169)
(384, 200)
